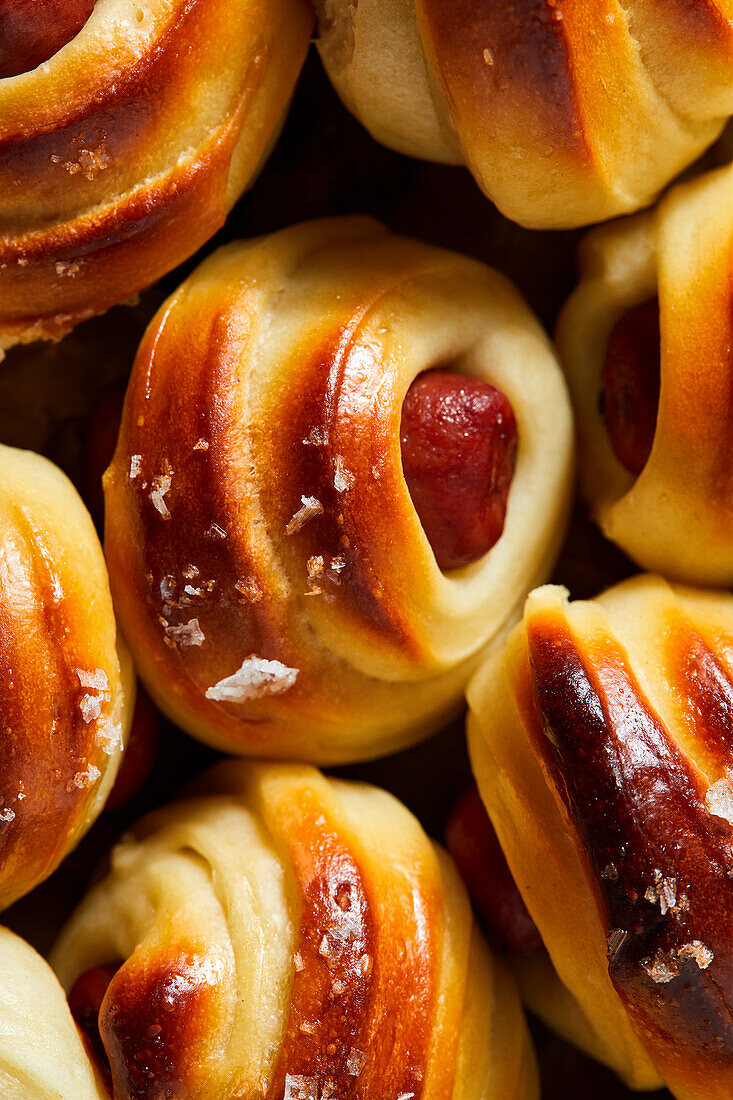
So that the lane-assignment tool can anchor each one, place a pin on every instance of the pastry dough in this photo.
(42, 1055)
(268, 567)
(287, 935)
(66, 682)
(123, 153)
(676, 516)
(601, 738)
(566, 112)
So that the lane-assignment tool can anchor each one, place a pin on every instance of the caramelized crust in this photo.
(675, 514)
(565, 112)
(256, 506)
(624, 706)
(325, 949)
(154, 1021)
(65, 692)
(123, 154)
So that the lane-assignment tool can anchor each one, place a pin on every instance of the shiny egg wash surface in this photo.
(33, 31)
(56, 710)
(660, 860)
(365, 989)
(364, 997)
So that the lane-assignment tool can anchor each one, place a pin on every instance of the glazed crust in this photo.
(621, 712)
(566, 113)
(66, 684)
(266, 402)
(122, 155)
(676, 517)
(326, 947)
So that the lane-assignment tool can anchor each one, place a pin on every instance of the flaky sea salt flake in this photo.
(67, 268)
(663, 891)
(355, 1062)
(95, 679)
(298, 1087)
(84, 779)
(161, 485)
(615, 940)
(661, 968)
(94, 161)
(310, 507)
(343, 478)
(6, 814)
(185, 634)
(249, 589)
(255, 677)
(697, 951)
(314, 566)
(315, 438)
(109, 738)
(90, 707)
(215, 531)
(168, 588)
(135, 466)
(719, 799)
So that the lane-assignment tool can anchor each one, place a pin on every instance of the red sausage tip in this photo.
(459, 446)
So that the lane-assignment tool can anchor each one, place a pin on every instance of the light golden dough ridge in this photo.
(565, 112)
(265, 402)
(676, 517)
(66, 680)
(326, 947)
(123, 153)
(602, 740)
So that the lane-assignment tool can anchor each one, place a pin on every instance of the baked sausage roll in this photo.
(287, 935)
(128, 130)
(66, 682)
(565, 113)
(283, 437)
(602, 740)
(42, 1054)
(646, 340)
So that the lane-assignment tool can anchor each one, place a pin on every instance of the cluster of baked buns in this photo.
(335, 485)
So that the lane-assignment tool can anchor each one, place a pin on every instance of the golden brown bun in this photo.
(306, 939)
(275, 376)
(676, 517)
(124, 152)
(601, 740)
(66, 688)
(565, 112)
(42, 1056)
